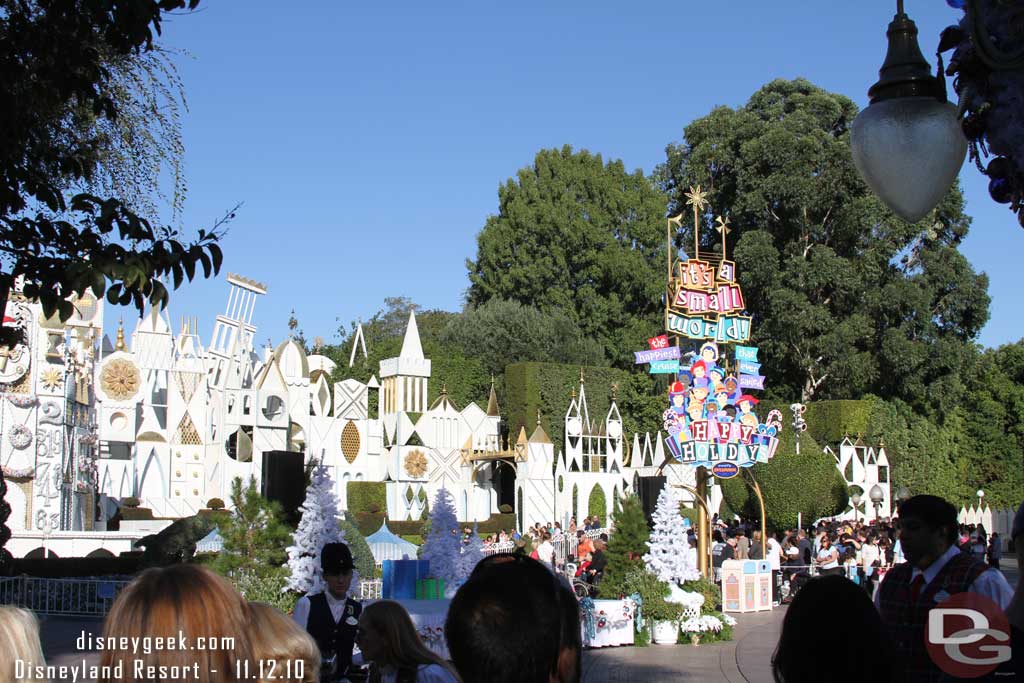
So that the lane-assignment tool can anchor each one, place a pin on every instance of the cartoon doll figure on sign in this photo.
(675, 416)
(700, 374)
(717, 379)
(709, 354)
(732, 387)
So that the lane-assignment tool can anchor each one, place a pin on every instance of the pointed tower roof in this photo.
(539, 435)
(492, 401)
(411, 347)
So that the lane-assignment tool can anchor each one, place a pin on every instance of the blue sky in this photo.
(367, 140)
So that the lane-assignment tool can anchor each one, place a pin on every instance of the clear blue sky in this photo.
(367, 140)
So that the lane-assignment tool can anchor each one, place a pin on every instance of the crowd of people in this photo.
(873, 589)
(882, 581)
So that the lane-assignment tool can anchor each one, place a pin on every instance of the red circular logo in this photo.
(967, 635)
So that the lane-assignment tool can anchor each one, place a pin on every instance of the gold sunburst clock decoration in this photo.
(120, 379)
(52, 379)
(416, 463)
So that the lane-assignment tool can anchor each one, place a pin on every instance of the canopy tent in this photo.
(211, 542)
(387, 546)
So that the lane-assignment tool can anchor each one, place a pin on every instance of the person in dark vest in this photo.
(330, 616)
(935, 570)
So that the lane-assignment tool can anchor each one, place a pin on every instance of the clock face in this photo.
(614, 430)
(573, 426)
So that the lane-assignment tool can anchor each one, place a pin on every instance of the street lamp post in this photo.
(907, 144)
(876, 495)
(980, 494)
(855, 499)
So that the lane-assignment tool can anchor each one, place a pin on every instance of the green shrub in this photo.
(368, 522)
(361, 555)
(215, 504)
(625, 549)
(829, 421)
(653, 591)
(505, 509)
(177, 542)
(711, 592)
(597, 503)
(136, 514)
(367, 496)
(266, 586)
(130, 502)
(792, 484)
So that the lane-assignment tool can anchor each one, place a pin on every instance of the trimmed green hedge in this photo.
(367, 496)
(809, 483)
(829, 421)
(596, 504)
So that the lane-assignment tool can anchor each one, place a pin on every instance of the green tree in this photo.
(58, 66)
(846, 299)
(255, 537)
(501, 332)
(626, 546)
(361, 555)
(596, 504)
(577, 235)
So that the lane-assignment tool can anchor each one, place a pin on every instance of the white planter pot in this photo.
(666, 632)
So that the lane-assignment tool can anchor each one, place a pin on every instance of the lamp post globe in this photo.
(855, 499)
(907, 143)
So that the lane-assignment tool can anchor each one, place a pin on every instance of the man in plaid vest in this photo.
(935, 569)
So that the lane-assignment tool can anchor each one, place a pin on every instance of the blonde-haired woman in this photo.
(283, 651)
(389, 642)
(202, 621)
(22, 653)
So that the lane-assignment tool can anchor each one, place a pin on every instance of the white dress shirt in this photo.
(301, 612)
(991, 583)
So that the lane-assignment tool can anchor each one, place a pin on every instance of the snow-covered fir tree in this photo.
(668, 556)
(443, 545)
(317, 527)
(472, 552)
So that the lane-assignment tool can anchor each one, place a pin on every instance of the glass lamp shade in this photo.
(908, 150)
(876, 494)
(855, 499)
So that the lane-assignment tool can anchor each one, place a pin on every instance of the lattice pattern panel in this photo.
(187, 434)
(187, 383)
(350, 442)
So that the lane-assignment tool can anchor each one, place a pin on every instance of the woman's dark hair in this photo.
(856, 630)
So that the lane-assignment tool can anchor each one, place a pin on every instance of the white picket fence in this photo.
(370, 589)
(998, 521)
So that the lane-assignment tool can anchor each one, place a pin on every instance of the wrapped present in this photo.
(430, 589)
(400, 577)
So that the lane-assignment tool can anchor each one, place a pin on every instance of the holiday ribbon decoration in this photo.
(589, 621)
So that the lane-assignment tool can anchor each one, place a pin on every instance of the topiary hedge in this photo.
(597, 503)
(361, 554)
(367, 496)
(808, 484)
(829, 421)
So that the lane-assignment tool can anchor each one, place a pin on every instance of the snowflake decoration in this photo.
(52, 379)
(416, 464)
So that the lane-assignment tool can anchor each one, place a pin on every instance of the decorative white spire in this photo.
(411, 347)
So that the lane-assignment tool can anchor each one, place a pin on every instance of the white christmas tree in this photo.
(317, 527)
(669, 557)
(472, 552)
(443, 546)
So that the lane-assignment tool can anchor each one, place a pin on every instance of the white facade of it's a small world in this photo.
(163, 418)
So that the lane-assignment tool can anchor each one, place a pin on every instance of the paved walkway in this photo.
(746, 658)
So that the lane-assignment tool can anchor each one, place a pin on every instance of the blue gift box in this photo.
(400, 577)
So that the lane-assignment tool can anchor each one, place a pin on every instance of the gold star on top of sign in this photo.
(697, 198)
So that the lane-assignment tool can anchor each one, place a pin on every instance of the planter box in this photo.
(665, 633)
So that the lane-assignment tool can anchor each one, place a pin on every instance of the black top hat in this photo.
(336, 558)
